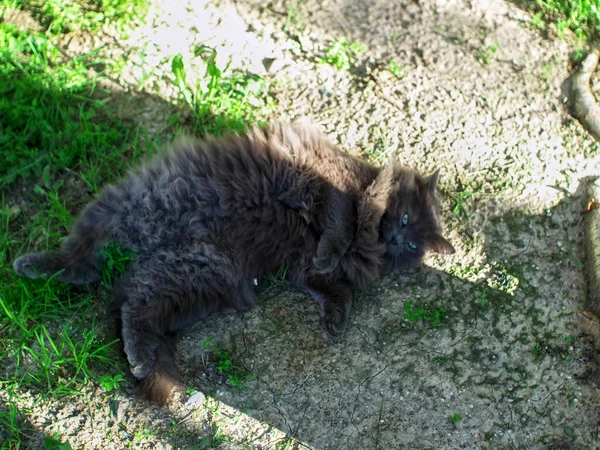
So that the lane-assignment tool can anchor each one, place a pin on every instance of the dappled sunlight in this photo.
(186, 28)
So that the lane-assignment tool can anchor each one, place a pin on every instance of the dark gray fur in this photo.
(209, 217)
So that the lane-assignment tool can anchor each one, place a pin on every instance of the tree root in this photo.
(583, 104)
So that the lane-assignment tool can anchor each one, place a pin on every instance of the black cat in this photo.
(209, 217)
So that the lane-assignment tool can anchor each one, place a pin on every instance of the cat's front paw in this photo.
(333, 323)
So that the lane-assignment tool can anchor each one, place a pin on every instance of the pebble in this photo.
(196, 400)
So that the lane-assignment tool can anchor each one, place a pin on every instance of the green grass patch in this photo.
(581, 16)
(53, 113)
(63, 16)
(61, 140)
(49, 342)
(412, 314)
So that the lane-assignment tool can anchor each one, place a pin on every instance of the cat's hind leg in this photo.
(78, 261)
(166, 292)
(54, 264)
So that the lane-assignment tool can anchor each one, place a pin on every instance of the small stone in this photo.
(196, 400)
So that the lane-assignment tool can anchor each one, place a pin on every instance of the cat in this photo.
(209, 217)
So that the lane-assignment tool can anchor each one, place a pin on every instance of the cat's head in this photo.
(410, 225)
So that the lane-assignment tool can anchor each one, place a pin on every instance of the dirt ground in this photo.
(480, 96)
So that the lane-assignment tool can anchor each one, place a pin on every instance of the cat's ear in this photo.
(438, 244)
(432, 182)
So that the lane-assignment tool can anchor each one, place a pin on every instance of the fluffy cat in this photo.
(208, 218)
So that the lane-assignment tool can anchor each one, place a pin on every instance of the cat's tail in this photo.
(78, 261)
(158, 385)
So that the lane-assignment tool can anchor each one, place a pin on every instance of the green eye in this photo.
(412, 245)
(404, 219)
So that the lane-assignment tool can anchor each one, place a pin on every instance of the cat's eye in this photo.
(412, 245)
(404, 219)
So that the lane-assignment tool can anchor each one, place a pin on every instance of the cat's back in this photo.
(196, 185)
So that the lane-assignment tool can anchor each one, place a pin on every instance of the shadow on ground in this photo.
(509, 359)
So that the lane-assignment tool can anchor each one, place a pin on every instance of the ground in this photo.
(482, 349)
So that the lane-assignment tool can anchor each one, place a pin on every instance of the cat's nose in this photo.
(396, 239)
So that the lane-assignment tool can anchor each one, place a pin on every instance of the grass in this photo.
(342, 53)
(61, 16)
(580, 16)
(220, 99)
(61, 140)
(460, 200)
(10, 422)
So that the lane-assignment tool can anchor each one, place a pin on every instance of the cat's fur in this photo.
(208, 218)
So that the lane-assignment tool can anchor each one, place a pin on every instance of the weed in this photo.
(459, 207)
(547, 73)
(577, 57)
(216, 439)
(503, 281)
(144, 433)
(394, 36)
(342, 53)
(455, 418)
(536, 351)
(416, 314)
(278, 277)
(567, 339)
(206, 342)
(485, 53)
(220, 99)
(395, 69)
(537, 21)
(235, 375)
(482, 298)
(55, 443)
(110, 382)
